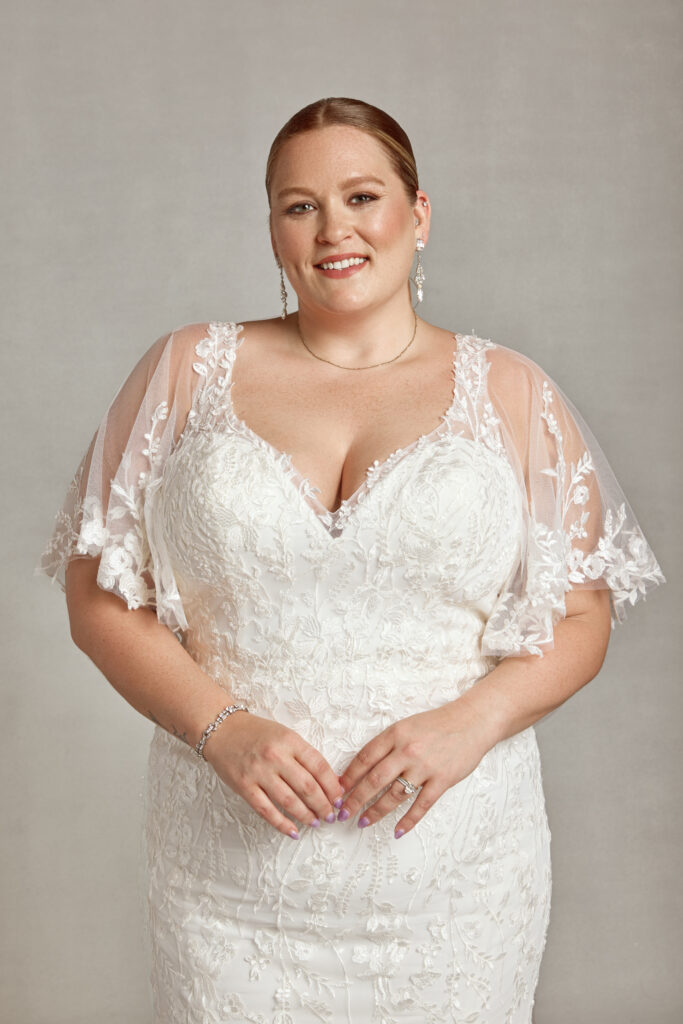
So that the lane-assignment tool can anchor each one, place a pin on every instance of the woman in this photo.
(387, 550)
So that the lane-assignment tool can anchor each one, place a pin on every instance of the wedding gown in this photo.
(456, 551)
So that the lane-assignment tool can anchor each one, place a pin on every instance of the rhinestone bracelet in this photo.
(225, 713)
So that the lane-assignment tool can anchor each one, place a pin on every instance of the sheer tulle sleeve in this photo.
(579, 529)
(103, 514)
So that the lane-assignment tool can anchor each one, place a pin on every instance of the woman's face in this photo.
(336, 196)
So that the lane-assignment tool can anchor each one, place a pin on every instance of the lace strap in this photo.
(471, 402)
(216, 357)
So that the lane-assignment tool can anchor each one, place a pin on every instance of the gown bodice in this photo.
(336, 623)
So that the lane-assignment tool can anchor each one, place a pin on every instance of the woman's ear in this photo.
(422, 210)
(272, 239)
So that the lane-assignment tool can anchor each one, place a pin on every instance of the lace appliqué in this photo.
(623, 557)
(471, 403)
(217, 353)
(117, 535)
(528, 610)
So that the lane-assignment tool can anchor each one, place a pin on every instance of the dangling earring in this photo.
(419, 278)
(283, 292)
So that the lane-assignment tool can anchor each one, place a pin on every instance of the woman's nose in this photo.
(334, 225)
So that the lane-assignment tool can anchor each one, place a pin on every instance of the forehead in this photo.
(336, 152)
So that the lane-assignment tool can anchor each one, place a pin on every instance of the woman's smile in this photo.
(341, 266)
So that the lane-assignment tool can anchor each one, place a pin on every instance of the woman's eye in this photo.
(299, 207)
(359, 199)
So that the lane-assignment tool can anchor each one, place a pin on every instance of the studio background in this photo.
(548, 137)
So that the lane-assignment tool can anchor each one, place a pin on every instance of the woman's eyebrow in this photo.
(357, 180)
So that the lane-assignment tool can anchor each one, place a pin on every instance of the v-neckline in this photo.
(334, 520)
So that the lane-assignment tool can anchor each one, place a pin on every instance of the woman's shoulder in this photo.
(176, 354)
(503, 357)
(191, 335)
(177, 344)
(199, 340)
(508, 368)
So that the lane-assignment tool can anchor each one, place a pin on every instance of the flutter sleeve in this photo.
(103, 515)
(579, 531)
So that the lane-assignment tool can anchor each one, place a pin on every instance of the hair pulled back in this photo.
(340, 110)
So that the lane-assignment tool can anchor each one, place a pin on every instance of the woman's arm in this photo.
(141, 658)
(263, 761)
(520, 691)
(437, 749)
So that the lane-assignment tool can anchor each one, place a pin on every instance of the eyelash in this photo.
(294, 210)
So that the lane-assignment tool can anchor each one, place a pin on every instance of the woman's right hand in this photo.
(269, 764)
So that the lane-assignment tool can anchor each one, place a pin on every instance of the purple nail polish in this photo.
(294, 835)
(315, 823)
(399, 832)
(343, 814)
(331, 817)
(338, 802)
(363, 822)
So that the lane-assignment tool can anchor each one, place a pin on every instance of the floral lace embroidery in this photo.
(125, 564)
(623, 558)
(216, 352)
(65, 534)
(524, 618)
(472, 404)
(117, 535)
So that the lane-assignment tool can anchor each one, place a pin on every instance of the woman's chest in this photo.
(334, 426)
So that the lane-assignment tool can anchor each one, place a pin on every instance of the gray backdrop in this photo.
(548, 136)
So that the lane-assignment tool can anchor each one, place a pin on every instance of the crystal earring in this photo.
(283, 292)
(419, 278)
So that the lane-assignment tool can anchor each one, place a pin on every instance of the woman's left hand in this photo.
(433, 749)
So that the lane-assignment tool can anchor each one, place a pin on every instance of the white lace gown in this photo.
(338, 624)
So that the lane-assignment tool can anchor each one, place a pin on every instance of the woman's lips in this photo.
(343, 271)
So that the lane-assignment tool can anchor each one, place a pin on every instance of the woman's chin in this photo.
(339, 304)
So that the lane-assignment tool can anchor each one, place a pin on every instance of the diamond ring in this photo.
(408, 787)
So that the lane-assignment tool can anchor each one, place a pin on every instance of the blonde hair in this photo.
(339, 110)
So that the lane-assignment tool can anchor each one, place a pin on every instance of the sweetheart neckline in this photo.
(303, 484)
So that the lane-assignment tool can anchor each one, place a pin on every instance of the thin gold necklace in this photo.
(372, 365)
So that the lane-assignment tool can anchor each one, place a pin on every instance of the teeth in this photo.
(355, 261)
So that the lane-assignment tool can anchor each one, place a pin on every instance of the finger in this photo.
(366, 759)
(259, 800)
(389, 801)
(282, 794)
(374, 782)
(426, 798)
(306, 786)
(314, 762)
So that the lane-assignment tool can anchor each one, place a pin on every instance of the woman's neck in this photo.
(366, 336)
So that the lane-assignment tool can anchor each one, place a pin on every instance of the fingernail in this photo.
(338, 802)
(343, 814)
(315, 823)
(363, 822)
(330, 817)
(294, 835)
(399, 832)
